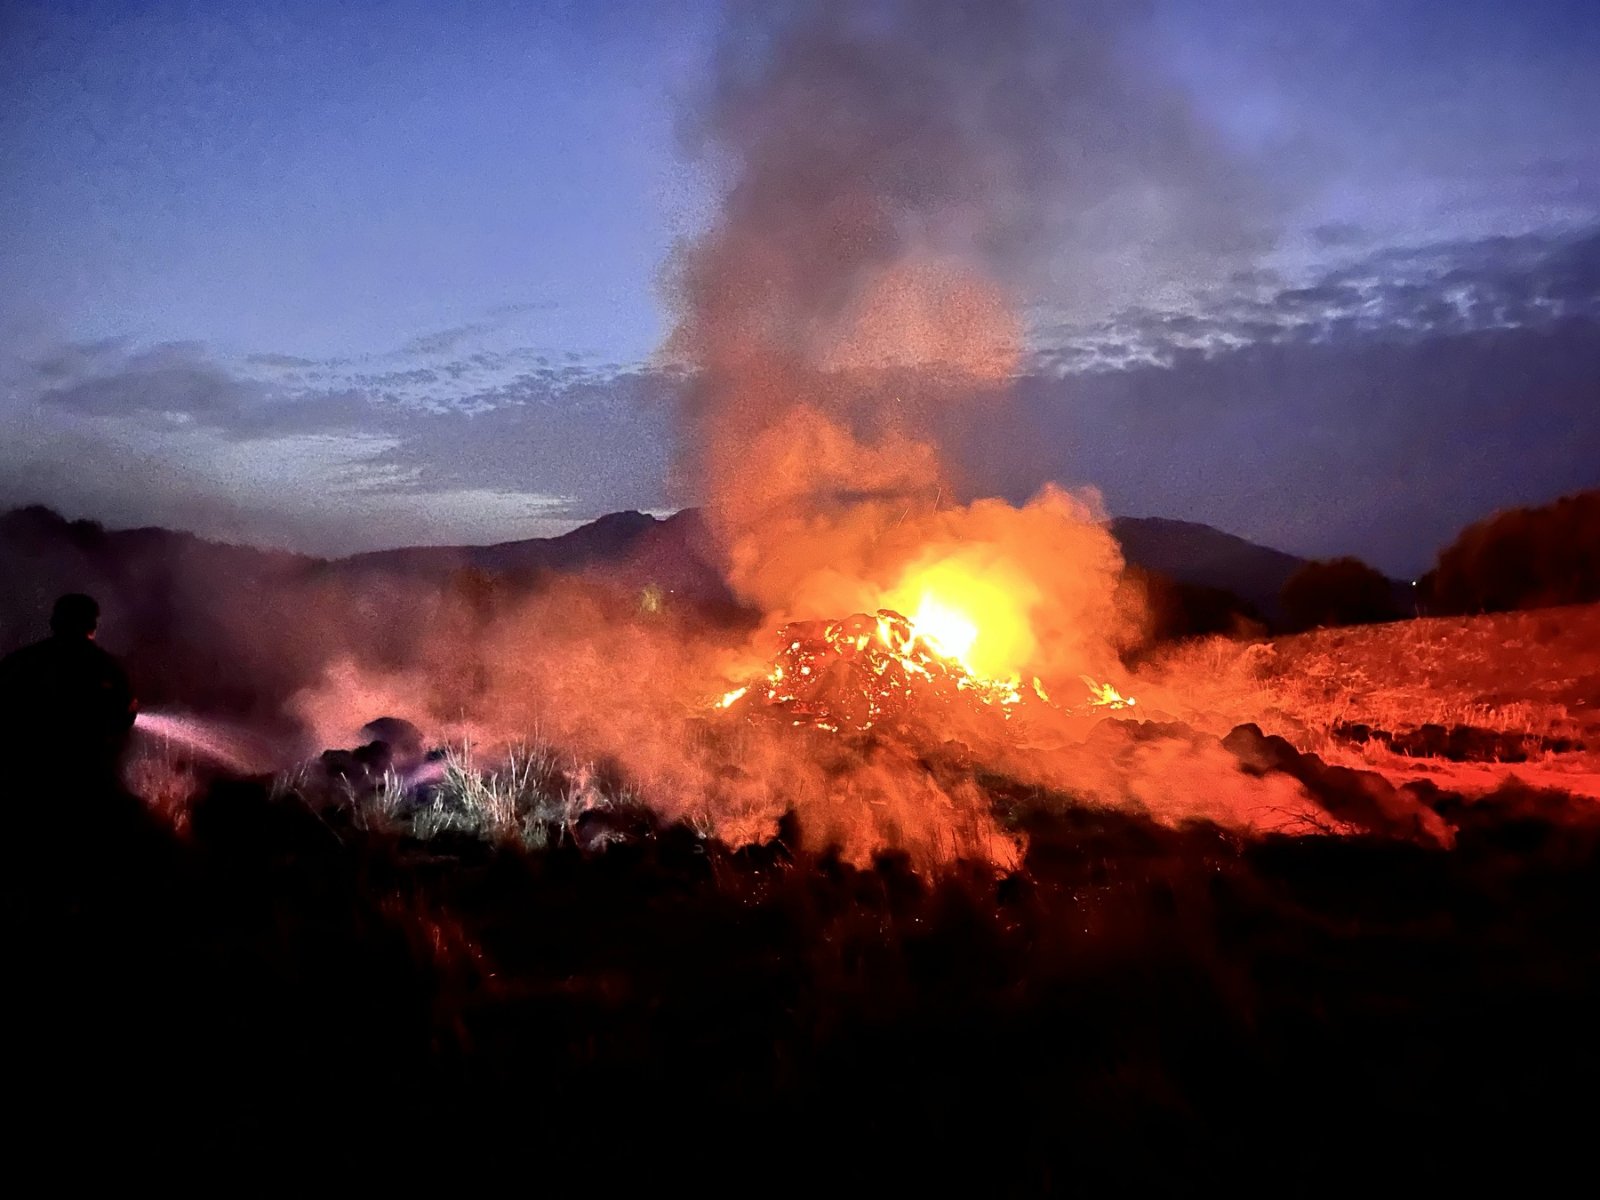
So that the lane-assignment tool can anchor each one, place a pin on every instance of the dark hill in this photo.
(632, 549)
(1195, 554)
(238, 629)
(604, 540)
(46, 554)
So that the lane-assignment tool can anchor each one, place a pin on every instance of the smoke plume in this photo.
(899, 180)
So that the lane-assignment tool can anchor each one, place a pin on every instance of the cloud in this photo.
(282, 362)
(174, 380)
(1337, 234)
(1413, 292)
(1362, 443)
(170, 435)
(1372, 409)
(445, 340)
(75, 358)
(520, 307)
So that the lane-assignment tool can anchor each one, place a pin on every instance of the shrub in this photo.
(1340, 591)
(1521, 558)
(1176, 611)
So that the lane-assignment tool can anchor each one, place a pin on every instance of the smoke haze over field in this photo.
(850, 305)
(853, 299)
(919, 235)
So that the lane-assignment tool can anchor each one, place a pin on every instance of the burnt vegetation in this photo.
(282, 992)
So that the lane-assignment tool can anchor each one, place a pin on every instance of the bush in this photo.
(1340, 591)
(1521, 558)
(1176, 611)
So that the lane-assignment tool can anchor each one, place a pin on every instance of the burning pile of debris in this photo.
(883, 671)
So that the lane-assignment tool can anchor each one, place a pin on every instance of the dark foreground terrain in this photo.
(278, 998)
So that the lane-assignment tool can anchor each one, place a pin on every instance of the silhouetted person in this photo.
(66, 704)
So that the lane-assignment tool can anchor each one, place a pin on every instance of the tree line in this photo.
(1533, 557)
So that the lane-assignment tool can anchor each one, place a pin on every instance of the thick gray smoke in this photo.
(902, 179)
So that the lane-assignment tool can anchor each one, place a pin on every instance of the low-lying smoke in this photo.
(899, 179)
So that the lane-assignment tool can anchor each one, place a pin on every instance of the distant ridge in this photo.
(603, 539)
(674, 552)
(1192, 553)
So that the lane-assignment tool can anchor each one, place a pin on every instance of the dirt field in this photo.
(1464, 701)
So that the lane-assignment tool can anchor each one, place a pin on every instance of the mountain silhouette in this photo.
(1198, 555)
(43, 554)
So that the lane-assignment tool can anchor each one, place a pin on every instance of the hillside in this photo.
(634, 548)
(1540, 659)
(1196, 554)
(48, 554)
(238, 630)
(602, 540)
(1462, 701)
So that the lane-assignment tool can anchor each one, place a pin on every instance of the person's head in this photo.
(75, 615)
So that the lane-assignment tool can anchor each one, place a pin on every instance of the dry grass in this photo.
(1533, 673)
(526, 793)
(165, 780)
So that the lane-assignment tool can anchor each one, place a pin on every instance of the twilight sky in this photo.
(345, 276)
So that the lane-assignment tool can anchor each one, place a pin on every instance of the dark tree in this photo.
(1340, 591)
(1521, 558)
(1175, 611)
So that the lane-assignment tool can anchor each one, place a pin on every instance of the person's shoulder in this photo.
(24, 655)
(23, 669)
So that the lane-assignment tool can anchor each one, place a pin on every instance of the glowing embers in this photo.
(886, 670)
(867, 671)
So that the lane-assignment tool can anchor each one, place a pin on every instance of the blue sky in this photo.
(334, 180)
(409, 255)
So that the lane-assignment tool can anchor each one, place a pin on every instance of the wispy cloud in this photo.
(364, 459)
(444, 340)
(1324, 391)
(1407, 292)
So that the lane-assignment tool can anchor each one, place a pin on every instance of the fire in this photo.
(886, 669)
(947, 630)
(866, 671)
(1103, 695)
(960, 654)
(971, 610)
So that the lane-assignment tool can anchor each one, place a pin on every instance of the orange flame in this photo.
(971, 611)
(1103, 695)
(865, 670)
